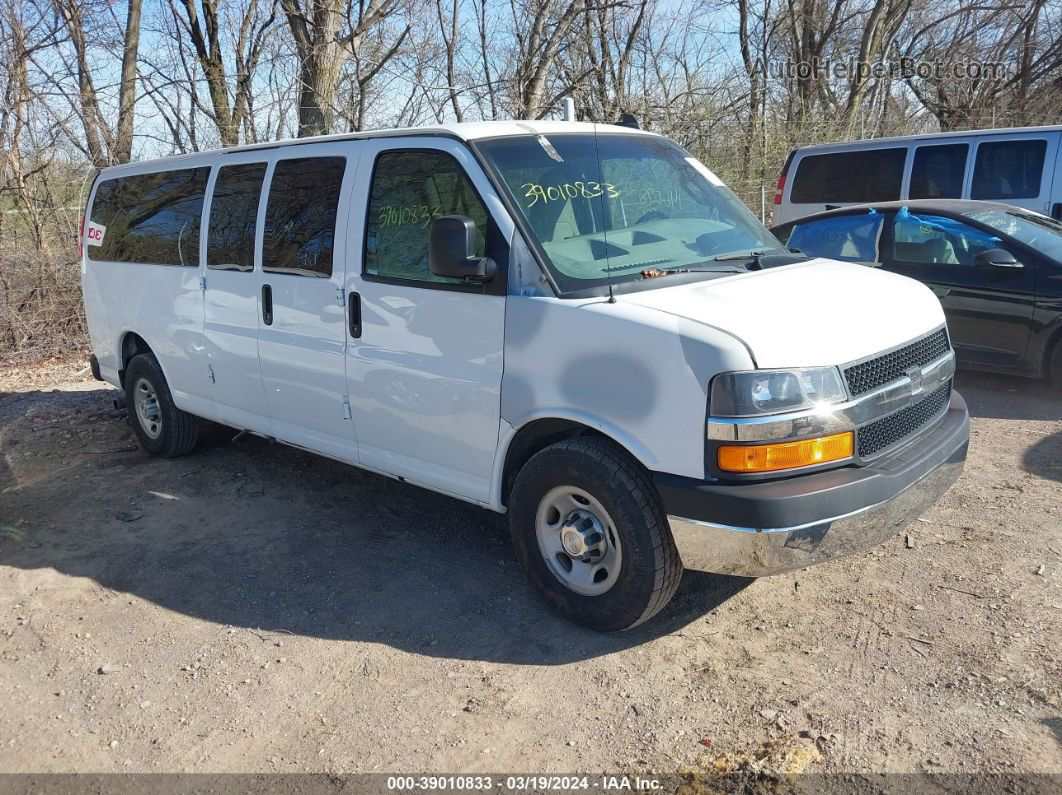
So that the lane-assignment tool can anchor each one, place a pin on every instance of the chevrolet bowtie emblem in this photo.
(915, 374)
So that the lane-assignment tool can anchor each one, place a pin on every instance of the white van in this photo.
(576, 324)
(1017, 165)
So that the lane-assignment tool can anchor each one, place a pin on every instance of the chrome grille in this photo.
(881, 370)
(889, 430)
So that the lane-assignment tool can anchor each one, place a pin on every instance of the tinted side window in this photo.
(300, 226)
(1008, 170)
(853, 238)
(150, 218)
(872, 175)
(234, 216)
(938, 171)
(409, 189)
(934, 239)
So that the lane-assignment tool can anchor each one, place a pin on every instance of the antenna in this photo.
(604, 218)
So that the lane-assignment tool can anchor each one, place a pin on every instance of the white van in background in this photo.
(575, 324)
(1018, 165)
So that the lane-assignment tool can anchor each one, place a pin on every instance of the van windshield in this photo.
(618, 205)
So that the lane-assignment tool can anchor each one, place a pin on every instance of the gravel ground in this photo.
(254, 608)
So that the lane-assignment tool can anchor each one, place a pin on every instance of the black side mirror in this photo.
(996, 258)
(452, 250)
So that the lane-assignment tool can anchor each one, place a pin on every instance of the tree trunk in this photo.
(123, 141)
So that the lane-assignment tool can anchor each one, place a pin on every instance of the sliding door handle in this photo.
(267, 304)
(354, 315)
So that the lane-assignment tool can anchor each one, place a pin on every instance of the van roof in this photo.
(902, 139)
(465, 131)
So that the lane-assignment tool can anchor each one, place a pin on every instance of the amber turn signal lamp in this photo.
(786, 455)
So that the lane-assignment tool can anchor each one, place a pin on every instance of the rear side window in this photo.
(1008, 170)
(938, 171)
(300, 227)
(871, 175)
(853, 238)
(150, 219)
(234, 217)
(410, 188)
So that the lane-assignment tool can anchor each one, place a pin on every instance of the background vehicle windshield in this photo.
(644, 205)
(1036, 231)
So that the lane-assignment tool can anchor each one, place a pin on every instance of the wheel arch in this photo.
(131, 344)
(538, 433)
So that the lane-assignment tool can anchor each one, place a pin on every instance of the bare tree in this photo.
(539, 42)
(204, 26)
(106, 143)
(327, 33)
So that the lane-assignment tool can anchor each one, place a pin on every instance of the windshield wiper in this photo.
(758, 260)
(655, 273)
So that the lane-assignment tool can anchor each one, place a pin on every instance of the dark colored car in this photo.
(997, 270)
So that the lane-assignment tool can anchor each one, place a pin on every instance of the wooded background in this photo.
(88, 83)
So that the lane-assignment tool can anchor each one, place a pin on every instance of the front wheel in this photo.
(592, 535)
(162, 428)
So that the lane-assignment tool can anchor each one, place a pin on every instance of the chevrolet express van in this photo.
(575, 324)
(1016, 165)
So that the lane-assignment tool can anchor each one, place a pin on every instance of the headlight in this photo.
(756, 392)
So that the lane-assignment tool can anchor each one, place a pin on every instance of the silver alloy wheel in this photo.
(148, 412)
(578, 540)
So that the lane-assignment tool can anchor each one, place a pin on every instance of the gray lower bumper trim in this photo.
(751, 552)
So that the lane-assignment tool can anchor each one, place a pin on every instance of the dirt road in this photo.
(268, 610)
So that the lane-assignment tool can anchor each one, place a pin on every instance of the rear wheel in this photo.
(162, 428)
(592, 535)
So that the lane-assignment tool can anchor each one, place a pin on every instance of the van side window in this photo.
(865, 175)
(234, 216)
(938, 171)
(150, 218)
(300, 226)
(1008, 170)
(410, 188)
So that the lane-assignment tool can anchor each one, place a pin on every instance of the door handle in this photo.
(354, 315)
(267, 304)
(1056, 211)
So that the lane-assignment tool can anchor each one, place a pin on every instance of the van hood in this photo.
(810, 314)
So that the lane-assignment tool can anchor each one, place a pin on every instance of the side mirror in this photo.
(996, 258)
(452, 250)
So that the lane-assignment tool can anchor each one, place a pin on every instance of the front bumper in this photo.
(762, 528)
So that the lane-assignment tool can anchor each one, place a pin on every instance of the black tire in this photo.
(650, 568)
(176, 431)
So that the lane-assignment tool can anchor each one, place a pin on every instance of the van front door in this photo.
(424, 361)
(302, 338)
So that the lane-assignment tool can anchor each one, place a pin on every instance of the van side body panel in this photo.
(163, 304)
(637, 375)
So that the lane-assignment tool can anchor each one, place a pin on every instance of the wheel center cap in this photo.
(573, 542)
